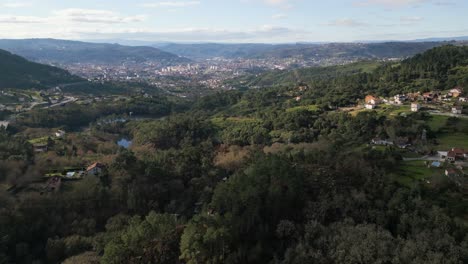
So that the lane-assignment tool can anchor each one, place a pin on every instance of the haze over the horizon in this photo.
(271, 21)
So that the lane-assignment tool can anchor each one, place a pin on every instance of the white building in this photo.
(415, 107)
(60, 133)
(370, 106)
(457, 110)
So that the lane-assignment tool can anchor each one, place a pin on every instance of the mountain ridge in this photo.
(55, 51)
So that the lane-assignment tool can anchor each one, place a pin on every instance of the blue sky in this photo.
(273, 21)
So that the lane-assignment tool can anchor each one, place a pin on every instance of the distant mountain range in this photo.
(66, 52)
(17, 72)
(302, 51)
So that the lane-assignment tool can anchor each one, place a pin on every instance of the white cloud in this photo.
(20, 19)
(15, 4)
(411, 19)
(346, 22)
(276, 2)
(279, 16)
(94, 16)
(172, 4)
(390, 3)
(267, 33)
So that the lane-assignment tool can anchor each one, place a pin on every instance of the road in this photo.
(435, 158)
(448, 114)
(68, 99)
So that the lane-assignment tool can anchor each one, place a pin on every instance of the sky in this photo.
(234, 21)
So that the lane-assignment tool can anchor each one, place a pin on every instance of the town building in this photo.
(95, 169)
(457, 110)
(453, 155)
(400, 99)
(415, 107)
(60, 133)
(372, 100)
(370, 106)
(4, 124)
(382, 142)
(456, 92)
(451, 172)
(430, 96)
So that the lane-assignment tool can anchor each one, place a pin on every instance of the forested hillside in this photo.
(66, 52)
(251, 176)
(302, 51)
(438, 69)
(17, 72)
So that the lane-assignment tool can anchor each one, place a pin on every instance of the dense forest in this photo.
(17, 72)
(240, 177)
(66, 52)
(438, 69)
(306, 51)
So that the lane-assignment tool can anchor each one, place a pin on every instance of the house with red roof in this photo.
(95, 168)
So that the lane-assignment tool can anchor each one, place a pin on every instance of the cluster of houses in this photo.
(402, 143)
(53, 183)
(454, 173)
(372, 102)
(453, 155)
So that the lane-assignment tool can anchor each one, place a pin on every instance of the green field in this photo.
(41, 140)
(437, 122)
(224, 122)
(311, 108)
(386, 110)
(392, 110)
(448, 141)
(411, 171)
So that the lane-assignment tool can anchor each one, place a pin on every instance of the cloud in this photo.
(15, 4)
(172, 4)
(346, 22)
(266, 33)
(390, 3)
(283, 4)
(279, 16)
(20, 19)
(276, 2)
(411, 19)
(94, 16)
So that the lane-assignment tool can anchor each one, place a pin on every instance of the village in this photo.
(449, 159)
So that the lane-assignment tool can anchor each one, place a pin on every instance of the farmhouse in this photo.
(95, 169)
(60, 133)
(399, 98)
(415, 107)
(457, 110)
(453, 154)
(372, 100)
(382, 142)
(456, 92)
(430, 96)
(4, 124)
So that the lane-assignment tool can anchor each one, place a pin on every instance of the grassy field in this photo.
(41, 140)
(311, 108)
(393, 110)
(437, 122)
(411, 171)
(387, 110)
(447, 141)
